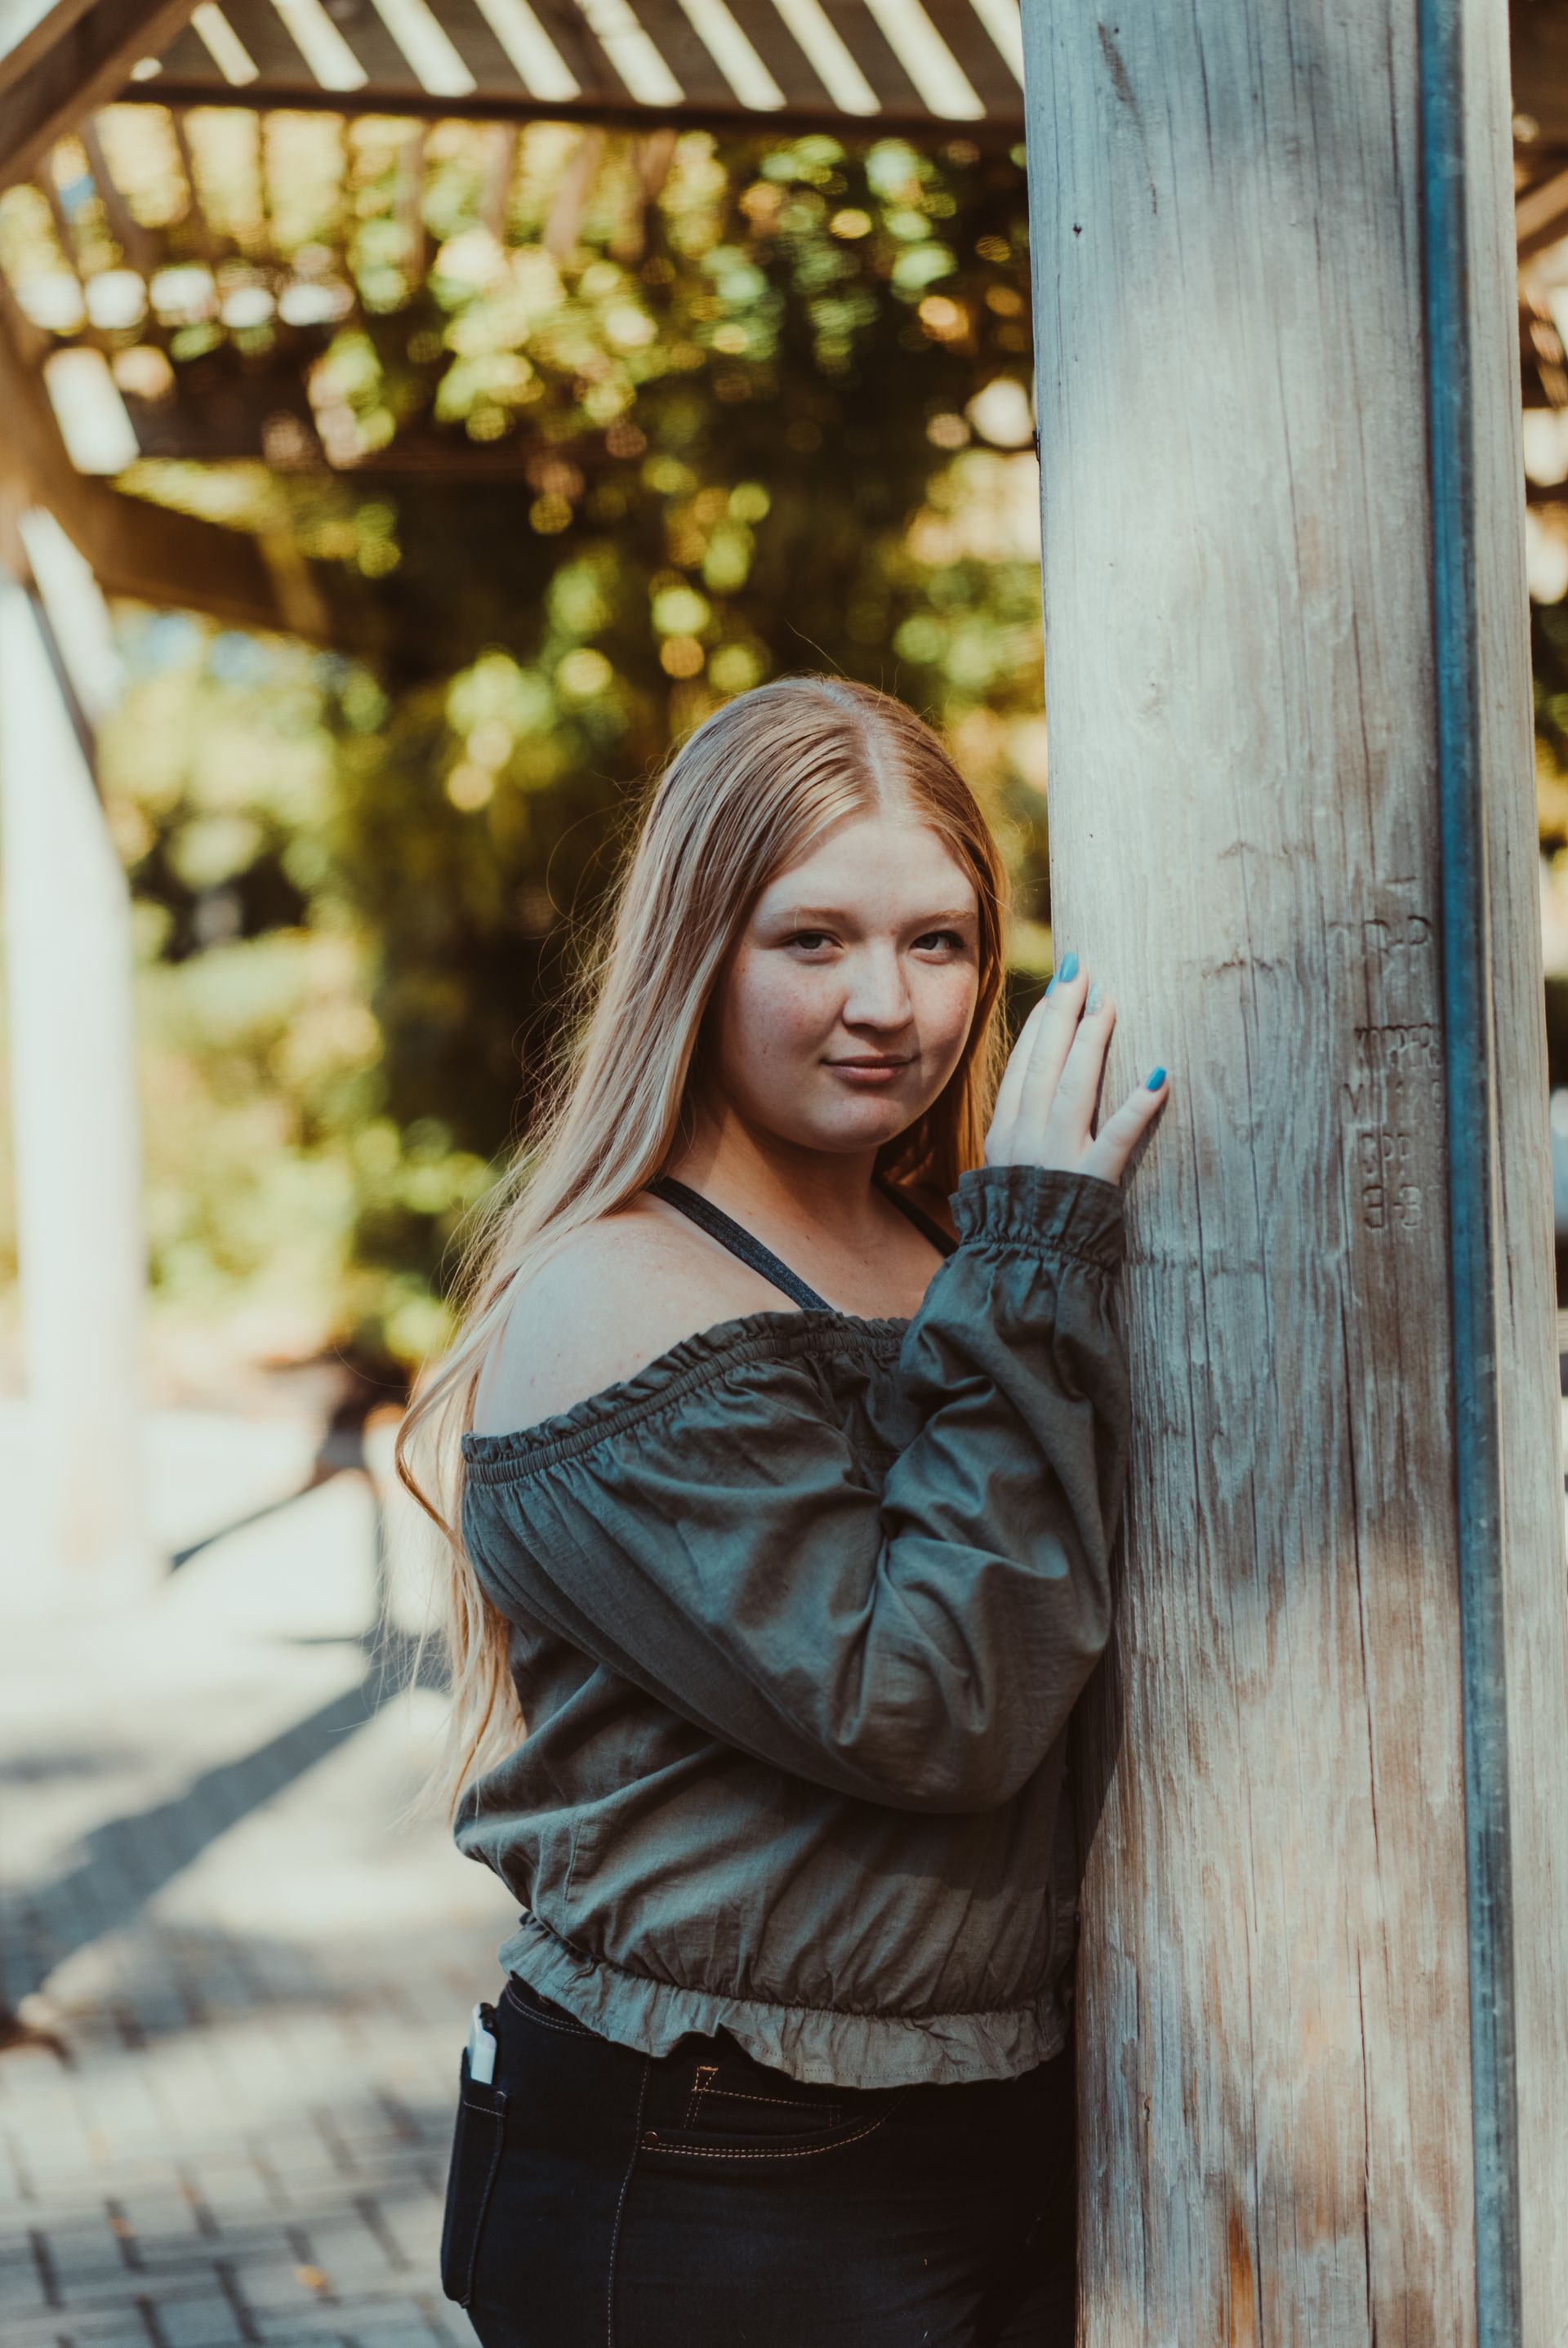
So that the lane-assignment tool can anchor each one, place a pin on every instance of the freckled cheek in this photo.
(779, 1018)
(944, 1013)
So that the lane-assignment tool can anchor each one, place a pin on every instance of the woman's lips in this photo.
(869, 1072)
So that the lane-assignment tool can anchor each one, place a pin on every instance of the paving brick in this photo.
(230, 2191)
(202, 2323)
(353, 2256)
(21, 2284)
(286, 2333)
(274, 2285)
(113, 2329)
(155, 2216)
(383, 2331)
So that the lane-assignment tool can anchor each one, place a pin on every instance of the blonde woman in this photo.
(791, 1427)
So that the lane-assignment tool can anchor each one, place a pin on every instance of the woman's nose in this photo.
(878, 994)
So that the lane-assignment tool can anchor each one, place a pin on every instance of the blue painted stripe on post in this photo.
(1472, 1247)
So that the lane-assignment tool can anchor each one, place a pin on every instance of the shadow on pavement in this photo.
(125, 1861)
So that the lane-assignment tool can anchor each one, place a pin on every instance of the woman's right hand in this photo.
(1045, 1105)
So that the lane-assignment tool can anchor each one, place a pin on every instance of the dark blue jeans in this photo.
(599, 2198)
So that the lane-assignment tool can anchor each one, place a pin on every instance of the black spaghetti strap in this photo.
(737, 1240)
(943, 1242)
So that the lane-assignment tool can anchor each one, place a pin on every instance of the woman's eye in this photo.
(951, 938)
(810, 938)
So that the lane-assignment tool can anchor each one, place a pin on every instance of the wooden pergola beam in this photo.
(1541, 214)
(136, 548)
(734, 121)
(75, 59)
(20, 50)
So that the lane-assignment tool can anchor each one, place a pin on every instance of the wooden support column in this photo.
(79, 1531)
(1242, 680)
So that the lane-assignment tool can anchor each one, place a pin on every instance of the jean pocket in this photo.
(758, 2104)
(742, 2111)
(477, 2141)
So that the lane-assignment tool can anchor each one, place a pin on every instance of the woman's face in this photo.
(846, 1002)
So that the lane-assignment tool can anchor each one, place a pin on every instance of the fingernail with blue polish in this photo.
(1096, 997)
(1069, 967)
(1156, 1080)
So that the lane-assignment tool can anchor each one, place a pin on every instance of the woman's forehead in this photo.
(871, 860)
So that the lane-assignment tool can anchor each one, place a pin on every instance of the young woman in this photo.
(788, 1494)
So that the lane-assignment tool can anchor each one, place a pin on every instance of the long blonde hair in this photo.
(745, 795)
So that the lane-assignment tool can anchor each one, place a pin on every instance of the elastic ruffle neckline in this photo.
(772, 1333)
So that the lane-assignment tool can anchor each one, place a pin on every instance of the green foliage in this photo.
(1549, 659)
(748, 448)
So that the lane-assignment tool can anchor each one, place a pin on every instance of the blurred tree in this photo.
(775, 419)
(1549, 660)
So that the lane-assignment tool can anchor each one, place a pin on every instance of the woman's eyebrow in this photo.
(842, 913)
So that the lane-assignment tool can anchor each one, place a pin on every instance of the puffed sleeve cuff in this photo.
(1044, 1208)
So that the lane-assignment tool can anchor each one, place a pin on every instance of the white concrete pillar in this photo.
(76, 1517)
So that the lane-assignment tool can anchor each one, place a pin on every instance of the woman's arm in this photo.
(911, 1629)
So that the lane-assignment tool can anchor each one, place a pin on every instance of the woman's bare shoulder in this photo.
(608, 1301)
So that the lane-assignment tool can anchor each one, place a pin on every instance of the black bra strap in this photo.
(741, 1242)
(943, 1242)
(737, 1240)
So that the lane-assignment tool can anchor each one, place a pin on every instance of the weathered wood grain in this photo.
(1239, 686)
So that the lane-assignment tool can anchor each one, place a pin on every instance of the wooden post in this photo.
(1241, 686)
(80, 1531)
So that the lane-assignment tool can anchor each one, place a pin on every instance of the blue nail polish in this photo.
(1096, 997)
(1068, 969)
(1156, 1080)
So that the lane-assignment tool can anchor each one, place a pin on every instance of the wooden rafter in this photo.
(48, 30)
(139, 244)
(501, 165)
(1541, 214)
(850, 65)
(411, 200)
(138, 548)
(86, 61)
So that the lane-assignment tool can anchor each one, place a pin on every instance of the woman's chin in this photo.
(862, 1124)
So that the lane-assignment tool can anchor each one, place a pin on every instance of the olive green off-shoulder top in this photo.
(799, 1610)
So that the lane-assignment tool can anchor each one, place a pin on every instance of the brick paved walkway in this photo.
(249, 1982)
